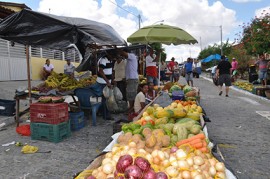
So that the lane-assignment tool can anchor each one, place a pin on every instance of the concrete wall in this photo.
(38, 63)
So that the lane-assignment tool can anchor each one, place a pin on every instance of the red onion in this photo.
(133, 172)
(91, 177)
(142, 163)
(150, 174)
(161, 175)
(174, 149)
(123, 162)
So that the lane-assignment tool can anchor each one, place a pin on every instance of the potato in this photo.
(147, 132)
(150, 141)
(166, 140)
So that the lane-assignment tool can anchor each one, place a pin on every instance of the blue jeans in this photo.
(152, 79)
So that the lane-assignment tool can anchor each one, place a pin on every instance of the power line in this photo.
(123, 9)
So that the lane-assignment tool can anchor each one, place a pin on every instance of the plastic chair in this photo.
(85, 103)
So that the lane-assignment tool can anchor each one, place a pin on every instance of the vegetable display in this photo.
(165, 143)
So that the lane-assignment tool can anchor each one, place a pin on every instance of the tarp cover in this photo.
(211, 57)
(56, 32)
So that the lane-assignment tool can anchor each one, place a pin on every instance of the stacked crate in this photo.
(49, 121)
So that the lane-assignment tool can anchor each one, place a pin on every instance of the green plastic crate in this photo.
(50, 132)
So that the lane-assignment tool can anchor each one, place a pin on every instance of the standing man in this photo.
(69, 68)
(171, 67)
(132, 77)
(104, 78)
(119, 73)
(47, 69)
(223, 73)
(263, 66)
(151, 67)
(188, 68)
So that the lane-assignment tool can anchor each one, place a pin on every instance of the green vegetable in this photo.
(167, 132)
(137, 131)
(171, 120)
(187, 89)
(125, 128)
(147, 126)
(134, 126)
(174, 88)
(182, 133)
(168, 126)
(195, 129)
(174, 139)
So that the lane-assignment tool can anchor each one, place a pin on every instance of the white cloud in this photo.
(197, 17)
(245, 1)
(262, 11)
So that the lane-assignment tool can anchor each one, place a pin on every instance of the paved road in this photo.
(242, 135)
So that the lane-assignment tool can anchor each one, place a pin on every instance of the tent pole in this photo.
(28, 73)
(159, 61)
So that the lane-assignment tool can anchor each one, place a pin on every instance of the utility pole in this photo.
(201, 43)
(139, 18)
(221, 40)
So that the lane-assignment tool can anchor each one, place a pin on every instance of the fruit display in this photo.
(165, 143)
(51, 99)
(64, 82)
(244, 85)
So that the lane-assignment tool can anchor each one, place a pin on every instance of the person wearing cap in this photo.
(69, 68)
(223, 73)
(234, 65)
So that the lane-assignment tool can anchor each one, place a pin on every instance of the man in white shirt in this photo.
(47, 69)
(69, 68)
(119, 75)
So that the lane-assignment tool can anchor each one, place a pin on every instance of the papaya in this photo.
(178, 113)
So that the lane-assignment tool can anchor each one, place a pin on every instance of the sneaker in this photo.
(220, 93)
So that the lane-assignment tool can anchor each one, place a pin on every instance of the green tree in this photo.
(256, 35)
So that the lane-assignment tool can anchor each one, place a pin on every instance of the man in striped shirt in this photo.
(104, 77)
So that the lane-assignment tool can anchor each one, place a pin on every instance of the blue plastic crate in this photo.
(77, 120)
(50, 132)
(7, 107)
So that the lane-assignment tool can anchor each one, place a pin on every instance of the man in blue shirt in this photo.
(188, 71)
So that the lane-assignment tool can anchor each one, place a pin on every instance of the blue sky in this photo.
(201, 18)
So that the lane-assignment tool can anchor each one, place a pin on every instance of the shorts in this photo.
(225, 78)
(132, 89)
(262, 75)
(189, 76)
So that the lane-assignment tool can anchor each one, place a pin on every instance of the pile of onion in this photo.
(140, 168)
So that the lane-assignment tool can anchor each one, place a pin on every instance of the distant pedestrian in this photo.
(163, 67)
(234, 68)
(176, 72)
(188, 68)
(263, 66)
(223, 73)
(171, 68)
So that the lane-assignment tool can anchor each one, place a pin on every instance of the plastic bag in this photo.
(111, 102)
(117, 93)
(163, 100)
(106, 92)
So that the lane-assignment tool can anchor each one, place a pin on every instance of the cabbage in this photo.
(174, 88)
(187, 89)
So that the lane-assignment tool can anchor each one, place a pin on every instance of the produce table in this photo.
(24, 96)
(97, 162)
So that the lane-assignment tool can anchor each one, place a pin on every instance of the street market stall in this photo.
(168, 139)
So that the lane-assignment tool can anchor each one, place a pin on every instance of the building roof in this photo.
(23, 6)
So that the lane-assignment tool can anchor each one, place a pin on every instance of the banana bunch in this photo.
(28, 149)
(52, 82)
